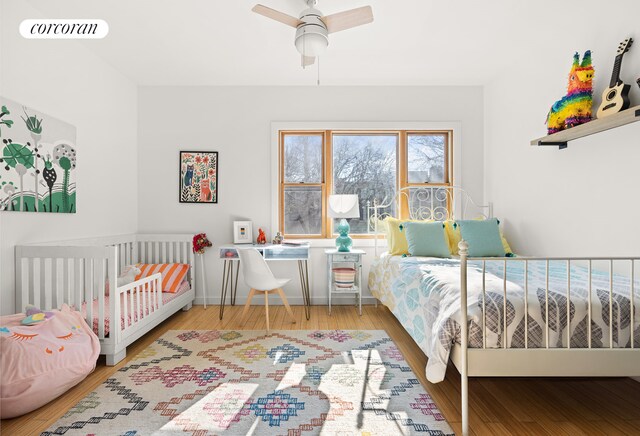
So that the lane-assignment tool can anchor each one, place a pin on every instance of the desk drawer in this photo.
(346, 257)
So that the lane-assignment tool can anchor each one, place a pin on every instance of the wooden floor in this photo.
(498, 406)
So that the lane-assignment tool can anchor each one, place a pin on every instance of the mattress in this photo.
(424, 294)
(142, 312)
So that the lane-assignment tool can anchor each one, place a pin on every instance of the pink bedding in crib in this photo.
(43, 361)
(141, 313)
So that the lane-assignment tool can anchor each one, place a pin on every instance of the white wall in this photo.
(579, 201)
(236, 122)
(66, 80)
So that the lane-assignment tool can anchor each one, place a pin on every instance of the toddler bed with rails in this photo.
(84, 275)
(508, 316)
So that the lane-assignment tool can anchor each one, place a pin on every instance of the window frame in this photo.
(284, 184)
(403, 130)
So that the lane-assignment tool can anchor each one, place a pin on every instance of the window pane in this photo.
(302, 210)
(429, 203)
(426, 158)
(303, 158)
(365, 165)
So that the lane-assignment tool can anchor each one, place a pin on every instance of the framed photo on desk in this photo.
(242, 232)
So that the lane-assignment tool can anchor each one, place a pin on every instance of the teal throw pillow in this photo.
(426, 239)
(483, 237)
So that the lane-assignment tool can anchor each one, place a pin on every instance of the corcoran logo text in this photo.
(64, 29)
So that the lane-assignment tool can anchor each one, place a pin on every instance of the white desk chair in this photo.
(258, 276)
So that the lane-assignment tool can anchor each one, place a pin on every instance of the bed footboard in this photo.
(547, 317)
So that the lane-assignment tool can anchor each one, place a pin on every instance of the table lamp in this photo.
(344, 206)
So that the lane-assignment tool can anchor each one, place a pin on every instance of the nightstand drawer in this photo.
(346, 257)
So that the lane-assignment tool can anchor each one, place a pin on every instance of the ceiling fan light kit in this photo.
(313, 29)
(312, 36)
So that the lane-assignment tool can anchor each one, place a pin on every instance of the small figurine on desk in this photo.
(277, 239)
(262, 239)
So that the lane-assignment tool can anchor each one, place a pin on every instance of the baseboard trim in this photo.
(294, 301)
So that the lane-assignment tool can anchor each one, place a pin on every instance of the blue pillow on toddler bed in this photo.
(426, 239)
(483, 237)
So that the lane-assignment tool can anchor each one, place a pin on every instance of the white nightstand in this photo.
(353, 257)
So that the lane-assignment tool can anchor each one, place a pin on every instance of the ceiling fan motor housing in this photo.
(312, 37)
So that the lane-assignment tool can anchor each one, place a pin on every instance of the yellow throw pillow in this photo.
(396, 240)
(453, 235)
(505, 244)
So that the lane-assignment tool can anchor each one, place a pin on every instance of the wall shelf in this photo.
(560, 139)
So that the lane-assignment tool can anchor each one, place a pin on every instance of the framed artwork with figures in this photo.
(198, 177)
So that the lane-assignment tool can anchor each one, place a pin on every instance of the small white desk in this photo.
(336, 257)
(270, 252)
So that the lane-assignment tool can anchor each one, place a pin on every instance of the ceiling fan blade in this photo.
(348, 19)
(308, 60)
(277, 15)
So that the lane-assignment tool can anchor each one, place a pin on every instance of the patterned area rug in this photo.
(294, 382)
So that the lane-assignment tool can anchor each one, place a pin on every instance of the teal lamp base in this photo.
(343, 242)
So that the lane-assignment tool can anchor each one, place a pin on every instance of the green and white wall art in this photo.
(37, 161)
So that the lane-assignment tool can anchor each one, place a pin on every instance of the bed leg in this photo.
(464, 338)
(114, 359)
(465, 404)
(376, 303)
(187, 307)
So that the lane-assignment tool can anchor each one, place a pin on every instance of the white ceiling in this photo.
(411, 42)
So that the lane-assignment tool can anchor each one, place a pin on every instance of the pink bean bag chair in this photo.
(42, 361)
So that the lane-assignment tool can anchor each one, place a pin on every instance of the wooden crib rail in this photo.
(158, 248)
(50, 276)
(139, 300)
(83, 274)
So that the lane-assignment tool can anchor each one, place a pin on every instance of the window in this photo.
(303, 184)
(372, 164)
(364, 164)
(427, 164)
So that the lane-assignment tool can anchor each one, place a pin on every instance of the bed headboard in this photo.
(438, 203)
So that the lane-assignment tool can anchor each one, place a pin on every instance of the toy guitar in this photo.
(616, 97)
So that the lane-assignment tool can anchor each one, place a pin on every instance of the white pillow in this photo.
(128, 275)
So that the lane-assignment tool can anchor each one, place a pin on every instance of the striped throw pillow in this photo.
(172, 274)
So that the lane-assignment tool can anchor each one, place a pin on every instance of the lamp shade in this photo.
(344, 206)
(311, 45)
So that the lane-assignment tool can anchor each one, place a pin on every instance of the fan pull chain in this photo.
(318, 59)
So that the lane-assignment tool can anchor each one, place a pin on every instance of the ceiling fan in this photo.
(313, 29)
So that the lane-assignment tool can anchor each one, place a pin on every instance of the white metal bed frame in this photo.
(426, 205)
(518, 362)
(76, 272)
